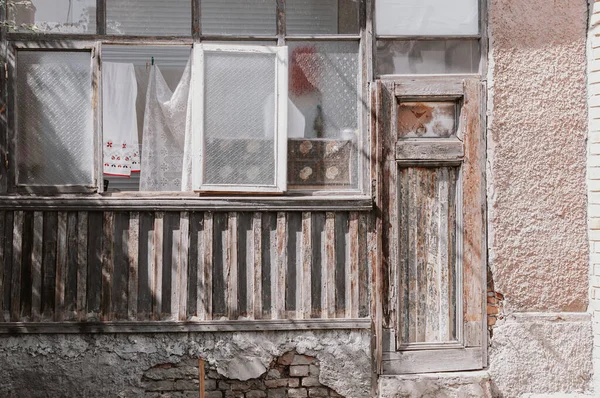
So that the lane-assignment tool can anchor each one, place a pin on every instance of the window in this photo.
(241, 109)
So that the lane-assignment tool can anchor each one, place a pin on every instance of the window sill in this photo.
(185, 202)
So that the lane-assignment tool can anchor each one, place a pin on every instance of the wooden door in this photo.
(432, 200)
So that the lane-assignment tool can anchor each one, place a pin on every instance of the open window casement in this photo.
(54, 119)
(239, 118)
(433, 205)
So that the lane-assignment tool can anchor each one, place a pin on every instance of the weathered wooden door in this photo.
(432, 198)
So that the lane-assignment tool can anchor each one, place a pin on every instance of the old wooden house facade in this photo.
(308, 197)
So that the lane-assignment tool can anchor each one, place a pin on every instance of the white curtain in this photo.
(166, 154)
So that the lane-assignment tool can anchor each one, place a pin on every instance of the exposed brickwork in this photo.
(290, 376)
(495, 302)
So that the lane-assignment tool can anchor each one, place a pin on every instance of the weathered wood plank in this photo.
(71, 267)
(26, 267)
(220, 269)
(342, 259)
(328, 272)
(269, 260)
(146, 266)
(17, 256)
(94, 277)
(351, 269)
(36, 265)
(133, 254)
(82, 265)
(279, 272)
(294, 264)
(3, 285)
(231, 266)
(318, 264)
(430, 150)
(256, 294)
(171, 267)
(364, 277)
(7, 264)
(61, 268)
(195, 270)
(432, 360)
(183, 251)
(433, 87)
(157, 263)
(120, 271)
(305, 280)
(444, 266)
(206, 296)
(244, 259)
(108, 240)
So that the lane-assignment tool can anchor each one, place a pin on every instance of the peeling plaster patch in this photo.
(105, 365)
(447, 385)
(541, 354)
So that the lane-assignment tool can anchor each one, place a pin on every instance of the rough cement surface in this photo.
(434, 385)
(113, 365)
(537, 153)
(545, 354)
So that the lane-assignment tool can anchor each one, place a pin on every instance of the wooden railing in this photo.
(183, 267)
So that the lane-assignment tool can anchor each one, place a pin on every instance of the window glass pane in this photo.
(313, 17)
(324, 87)
(427, 57)
(431, 119)
(149, 17)
(239, 118)
(53, 16)
(426, 17)
(55, 144)
(242, 17)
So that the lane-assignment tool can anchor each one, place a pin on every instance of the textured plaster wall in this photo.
(113, 365)
(537, 154)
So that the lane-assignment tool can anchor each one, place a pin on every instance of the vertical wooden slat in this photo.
(364, 266)
(36, 265)
(342, 244)
(352, 275)
(432, 299)
(120, 272)
(133, 262)
(244, 260)
(413, 283)
(305, 278)
(279, 272)
(220, 265)
(231, 266)
(107, 264)
(94, 273)
(82, 244)
(405, 287)
(26, 288)
(71, 267)
(268, 278)
(255, 268)
(7, 264)
(183, 253)
(171, 266)
(157, 271)
(61, 267)
(453, 227)
(293, 264)
(318, 264)
(442, 193)
(205, 288)
(195, 270)
(328, 273)
(15, 289)
(3, 286)
(145, 266)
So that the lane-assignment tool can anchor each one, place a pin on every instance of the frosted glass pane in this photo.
(324, 86)
(53, 16)
(55, 144)
(427, 57)
(312, 17)
(435, 119)
(149, 17)
(242, 17)
(426, 17)
(239, 118)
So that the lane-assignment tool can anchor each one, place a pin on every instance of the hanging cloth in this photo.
(166, 134)
(120, 129)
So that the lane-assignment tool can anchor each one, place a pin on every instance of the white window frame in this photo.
(280, 112)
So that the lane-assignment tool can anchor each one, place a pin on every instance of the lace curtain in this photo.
(166, 154)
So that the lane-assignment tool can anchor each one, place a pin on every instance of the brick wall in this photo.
(289, 376)
(593, 178)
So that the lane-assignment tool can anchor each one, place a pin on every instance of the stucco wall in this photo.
(537, 157)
